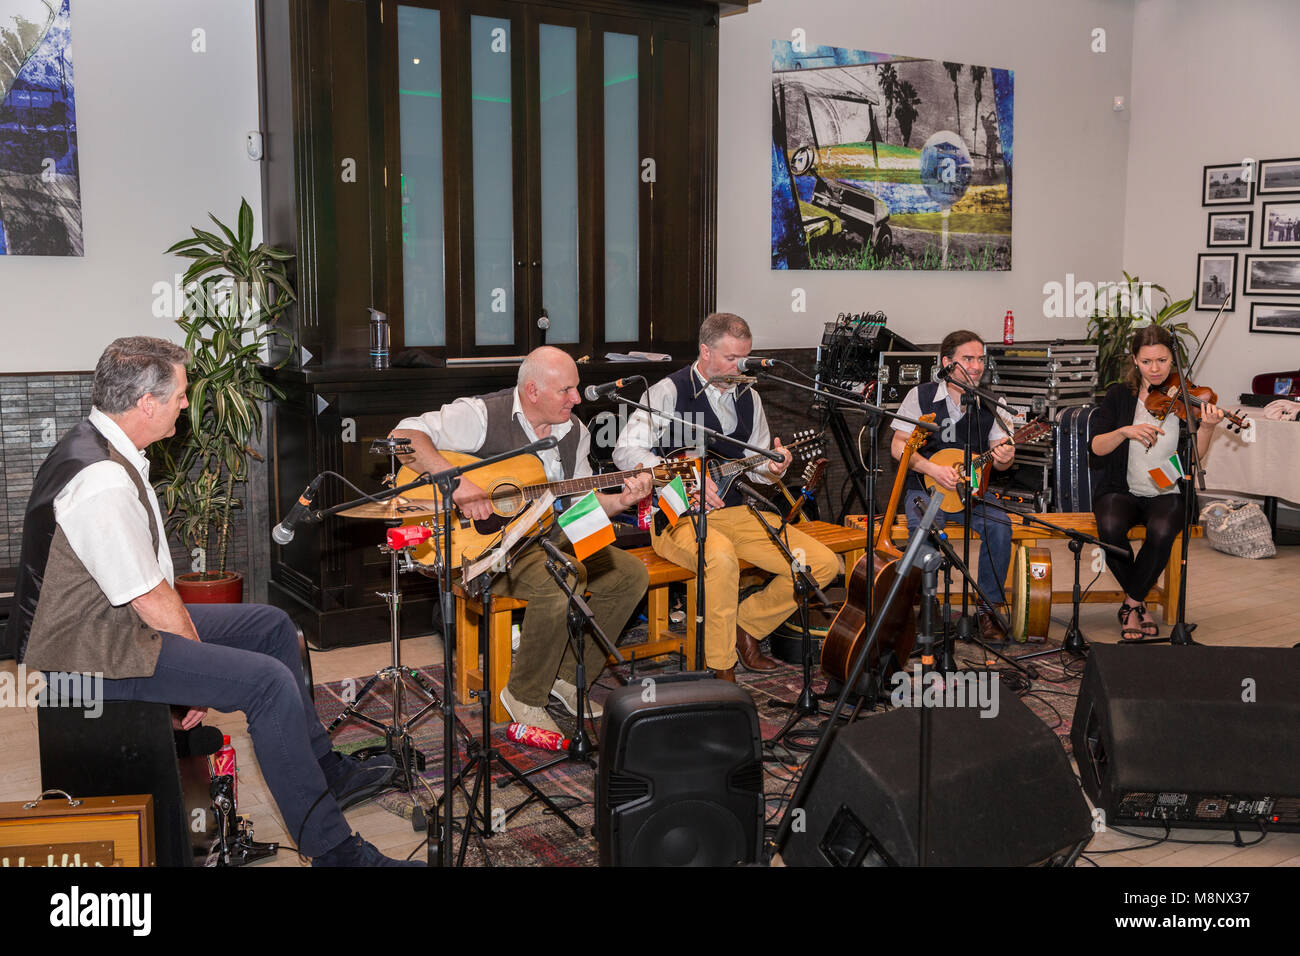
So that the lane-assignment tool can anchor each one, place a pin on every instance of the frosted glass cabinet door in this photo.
(622, 188)
(494, 226)
(557, 56)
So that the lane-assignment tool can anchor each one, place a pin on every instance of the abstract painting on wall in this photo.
(889, 162)
(40, 187)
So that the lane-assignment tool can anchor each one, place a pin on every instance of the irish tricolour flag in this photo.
(672, 500)
(1168, 473)
(587, 526)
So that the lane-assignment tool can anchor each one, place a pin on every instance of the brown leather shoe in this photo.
(750, 655)
(728, 675)
(990, 629)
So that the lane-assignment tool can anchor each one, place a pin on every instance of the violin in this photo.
(1168, 397)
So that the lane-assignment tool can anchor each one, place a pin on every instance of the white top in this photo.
(1142, 459)
(911, 407)
(100, 512)
(640, 436)
(461, 426)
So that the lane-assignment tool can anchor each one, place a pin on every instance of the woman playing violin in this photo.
(1130, 442)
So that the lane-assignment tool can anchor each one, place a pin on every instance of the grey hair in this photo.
(713, 328)
(133, 367)
(528, 370)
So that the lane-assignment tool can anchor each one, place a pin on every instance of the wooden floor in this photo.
(1234, 601)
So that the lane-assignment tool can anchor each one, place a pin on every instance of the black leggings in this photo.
(1117, 513)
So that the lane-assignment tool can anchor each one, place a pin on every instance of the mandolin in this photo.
(877, 571)
(980, 465)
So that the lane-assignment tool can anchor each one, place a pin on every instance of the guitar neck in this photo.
(575, 486)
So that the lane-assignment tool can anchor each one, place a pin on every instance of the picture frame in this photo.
(1224, 185)
(1278, 176)
(1279, 318)
(1271, 275)
(1279, 225)
(1216, 281)
(1226, 229)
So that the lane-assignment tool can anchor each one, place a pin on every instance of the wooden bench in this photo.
(660, 639)
(1164, 594)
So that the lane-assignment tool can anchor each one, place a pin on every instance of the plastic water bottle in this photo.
(1009, 329)
(378, 339)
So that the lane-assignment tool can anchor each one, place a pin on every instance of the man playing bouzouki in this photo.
(540, 405)
(965, 352)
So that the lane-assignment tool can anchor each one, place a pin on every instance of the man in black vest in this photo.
(95, 595)
(732, 629)
(964, 351)
(540, 405)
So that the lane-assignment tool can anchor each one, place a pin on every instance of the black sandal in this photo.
(1125, 629)
(1149, 628)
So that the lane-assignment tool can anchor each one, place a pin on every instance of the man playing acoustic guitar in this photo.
(540, 405)
(964, 352)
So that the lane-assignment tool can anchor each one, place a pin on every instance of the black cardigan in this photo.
(1115, 411)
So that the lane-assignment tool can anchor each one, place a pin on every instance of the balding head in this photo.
(548, 386)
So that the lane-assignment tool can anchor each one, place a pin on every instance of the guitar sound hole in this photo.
(507, 500)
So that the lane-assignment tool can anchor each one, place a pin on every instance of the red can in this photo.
(223, 764)
(536, 737)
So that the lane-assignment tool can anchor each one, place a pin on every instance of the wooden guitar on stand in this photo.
(877, 571)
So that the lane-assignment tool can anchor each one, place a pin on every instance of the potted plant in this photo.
(235, 293)
(1122, 308)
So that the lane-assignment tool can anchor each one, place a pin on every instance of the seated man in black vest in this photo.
(540, 405)
(732, 628)
(964, 351)
(95, 595)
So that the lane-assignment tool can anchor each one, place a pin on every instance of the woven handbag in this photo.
(1238, 527)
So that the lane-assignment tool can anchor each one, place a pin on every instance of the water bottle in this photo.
(378, 339)
(1009, 329)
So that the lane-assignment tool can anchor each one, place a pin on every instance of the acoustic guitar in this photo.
(980, 465)
(877, 571)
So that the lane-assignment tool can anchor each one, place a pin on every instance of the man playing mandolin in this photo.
(732, 628)
(963, 352)
(540, 405)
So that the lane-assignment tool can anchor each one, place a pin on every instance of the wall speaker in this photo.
(1001, 793)
(680, 780)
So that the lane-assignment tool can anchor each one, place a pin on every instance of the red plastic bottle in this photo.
(1009, 329)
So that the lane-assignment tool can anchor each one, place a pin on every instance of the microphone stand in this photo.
(698, 520)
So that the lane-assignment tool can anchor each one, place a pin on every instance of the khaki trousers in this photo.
(734, 535)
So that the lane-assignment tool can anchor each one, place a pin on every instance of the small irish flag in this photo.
(1168, 473)
(587, 526)
(672, 500)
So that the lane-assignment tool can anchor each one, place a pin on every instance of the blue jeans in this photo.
(247, 660)
(994, 545)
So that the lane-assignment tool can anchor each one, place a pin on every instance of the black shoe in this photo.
(355, 851)
(354, 781)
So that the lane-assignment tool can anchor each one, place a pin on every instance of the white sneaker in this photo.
(525, 714)
(567, 695)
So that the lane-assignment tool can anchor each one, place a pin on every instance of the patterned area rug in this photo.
(533, 835)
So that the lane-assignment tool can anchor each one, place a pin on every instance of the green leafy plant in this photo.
(235, 295)
(1122, 308)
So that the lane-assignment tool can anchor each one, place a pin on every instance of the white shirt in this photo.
(911, 407)
(461, 426)
(641, 435)
(101, 515)
(1141, 459)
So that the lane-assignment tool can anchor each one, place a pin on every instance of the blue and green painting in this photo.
(40, 187)
(889, 162)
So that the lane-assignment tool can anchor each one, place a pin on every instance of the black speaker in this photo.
(1001, 793)
(1191, 736)
(680, 781)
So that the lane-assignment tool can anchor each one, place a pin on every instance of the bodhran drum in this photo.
(1031, 594)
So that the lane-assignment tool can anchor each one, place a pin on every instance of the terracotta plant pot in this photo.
(211, 587)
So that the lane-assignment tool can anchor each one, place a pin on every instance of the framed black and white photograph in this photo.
(1280, 226)
(1226, 186)
(1281, 317)
(1216, 277)
(1230, 228)
(1272, 275)
(1279, 176)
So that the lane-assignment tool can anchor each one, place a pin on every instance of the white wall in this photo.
(1212, 83)
(161, 143)
(1071, 161)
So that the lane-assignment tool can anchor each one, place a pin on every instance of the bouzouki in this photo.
(877, 571)
(804, 446)
(980, 466)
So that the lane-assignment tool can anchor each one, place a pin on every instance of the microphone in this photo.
(946, 372)
(748, 362)
(756, 499)
(300, 513)
(559, 556)
(594, 393)
(202, 741)
(542, 444)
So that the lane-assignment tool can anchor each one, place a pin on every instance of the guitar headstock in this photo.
(813, 474)
(671, 468)
(806, 445)
(1034, 431)
(919, 434)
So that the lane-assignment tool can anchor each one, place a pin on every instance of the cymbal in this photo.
(395, 509)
